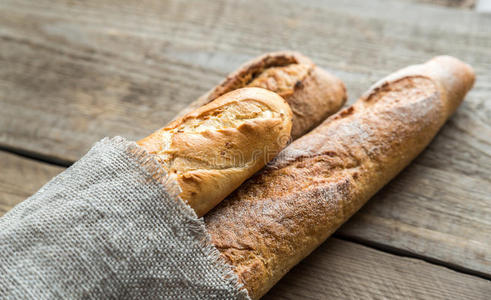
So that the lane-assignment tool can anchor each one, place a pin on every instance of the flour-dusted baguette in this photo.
(213, 149)
(283, 213)
(313, 94)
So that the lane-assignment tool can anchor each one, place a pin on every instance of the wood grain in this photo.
(20, 178)
(73, 72)
(344, 270)
(450, 3)
(430, 213)
(338, 269)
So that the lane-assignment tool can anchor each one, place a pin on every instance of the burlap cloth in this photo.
(110, 227)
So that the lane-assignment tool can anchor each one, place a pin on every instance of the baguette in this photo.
(284, 212)
(214, 149)
(312, 93)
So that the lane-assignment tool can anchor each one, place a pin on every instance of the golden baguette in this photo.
(215, 148)
(284, 212)
(312, 93)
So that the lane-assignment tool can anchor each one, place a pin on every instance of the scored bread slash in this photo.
(312, 93)
(215, 148)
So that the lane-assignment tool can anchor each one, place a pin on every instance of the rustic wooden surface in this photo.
(344, 270)
(73, 72)
(338, 269)
(20, 178)
(452, 3)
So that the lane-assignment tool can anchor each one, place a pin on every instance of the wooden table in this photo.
(72, 72)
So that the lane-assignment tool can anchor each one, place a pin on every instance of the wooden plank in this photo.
(20, 178)
(451, 3)
(344, 270)
(431, 213)
(338, 269)
(74, 72)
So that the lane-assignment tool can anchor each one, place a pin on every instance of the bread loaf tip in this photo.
(213, 149)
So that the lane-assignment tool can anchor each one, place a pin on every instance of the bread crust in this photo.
(313, 94)
(215, 148)
(284, 212)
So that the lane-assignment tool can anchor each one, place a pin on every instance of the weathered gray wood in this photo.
(430, 213)
(20, 178)
(338, 269)
(344, 270)
(450, 3)
(72, 73)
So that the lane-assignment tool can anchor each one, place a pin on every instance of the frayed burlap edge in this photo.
(150, 165)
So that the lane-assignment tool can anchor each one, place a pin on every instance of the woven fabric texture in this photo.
(110, 227)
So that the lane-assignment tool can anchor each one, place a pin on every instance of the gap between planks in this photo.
(404, 253)
(51, 160)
